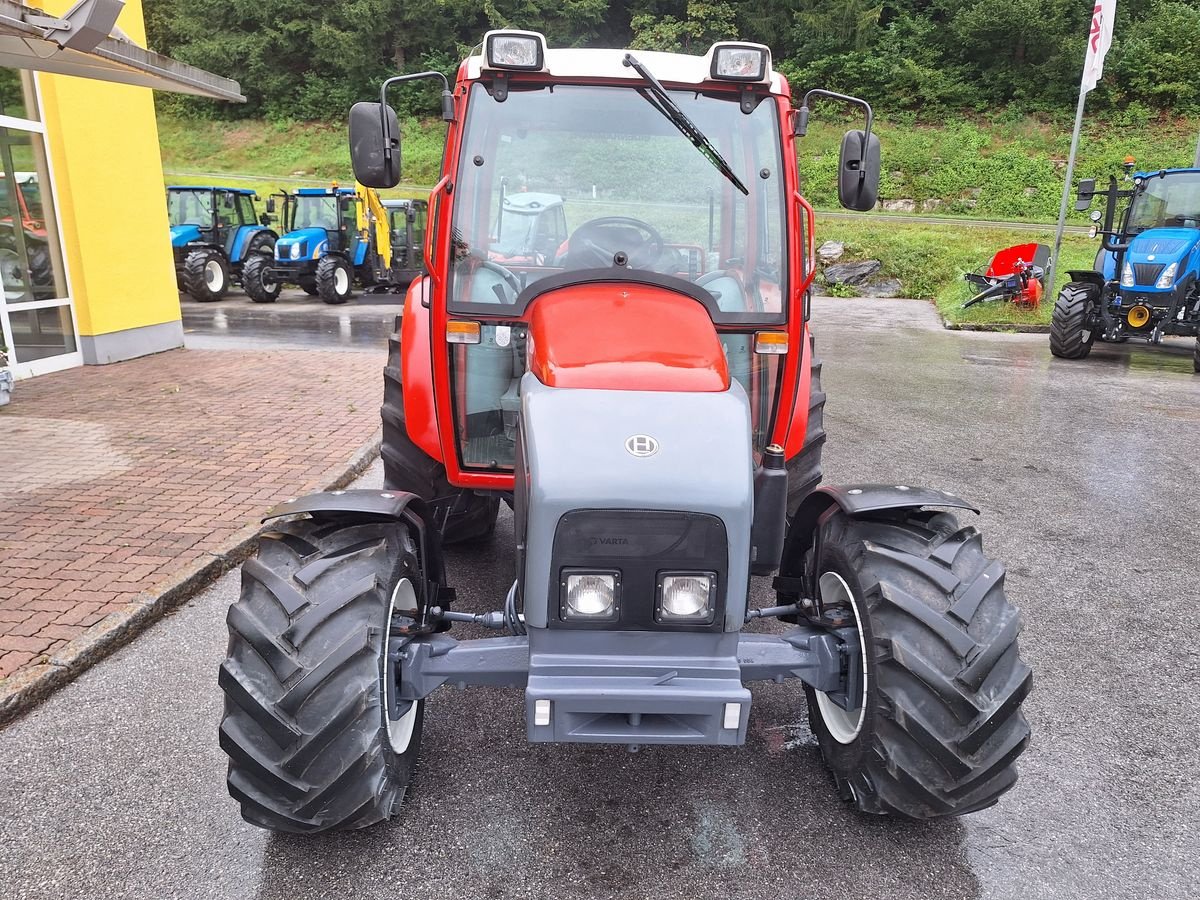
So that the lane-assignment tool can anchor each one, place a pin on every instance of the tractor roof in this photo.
(608, 65)
(323, 192)
(529, 201)
(197, 187)
(1157, 172)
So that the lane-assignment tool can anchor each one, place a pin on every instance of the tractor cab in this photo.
(529, 227)
(211, 215)
(1146, 281)
(406, 221)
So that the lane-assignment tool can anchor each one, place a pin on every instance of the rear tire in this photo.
(257, 280)
(461, 514)
(205, 275)
(804, 469)
(941, 725)
(1196, 356)
(335, 279)
(311, 747)
(1072, 329)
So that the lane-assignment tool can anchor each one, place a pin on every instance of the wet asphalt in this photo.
(1088, 476)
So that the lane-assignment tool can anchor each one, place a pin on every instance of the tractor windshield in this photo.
(1167, 201)
(190, 208)
(634, 193)
(316, 211)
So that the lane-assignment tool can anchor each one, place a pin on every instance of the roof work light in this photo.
(740, 62)
(523, 51)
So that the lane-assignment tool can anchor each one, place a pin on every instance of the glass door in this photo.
(37, 322)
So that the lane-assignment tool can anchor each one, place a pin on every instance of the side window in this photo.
(246, 204)
(227, 211)
(419, 225)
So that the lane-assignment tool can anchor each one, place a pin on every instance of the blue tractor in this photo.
(327, 244)
(1146, 280)
(214, 231)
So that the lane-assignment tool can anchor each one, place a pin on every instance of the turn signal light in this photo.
(460, 332)
(771, 342)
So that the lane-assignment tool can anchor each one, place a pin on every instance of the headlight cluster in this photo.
(681, 597)
(296, 250)
(1167, 278)
(1127, 275)
(639, 570)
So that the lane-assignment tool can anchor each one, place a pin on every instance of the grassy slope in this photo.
(998, 170)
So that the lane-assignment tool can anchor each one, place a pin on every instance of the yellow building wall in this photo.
(103, 144)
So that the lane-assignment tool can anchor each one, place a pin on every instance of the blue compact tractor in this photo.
(321, 249)
(1146, 281)
(214, 231)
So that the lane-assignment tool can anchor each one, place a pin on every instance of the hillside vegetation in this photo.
(1002, 170)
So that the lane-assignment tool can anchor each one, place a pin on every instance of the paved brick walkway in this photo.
(116, 477)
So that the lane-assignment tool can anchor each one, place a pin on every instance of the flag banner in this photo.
(1099, 40)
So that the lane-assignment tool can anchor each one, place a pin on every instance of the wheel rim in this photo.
(12, 275)
(214, 275)
(844, 725)
(341, 281)
(400, 731)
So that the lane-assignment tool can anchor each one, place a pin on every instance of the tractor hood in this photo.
(1151, 252)
(310, 240)
(182, 235)
(626, 337)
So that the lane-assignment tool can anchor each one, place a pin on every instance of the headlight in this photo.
(686, 597)
(1127, 275)
(1167, 278)
(515, 50)
(740, 62)
(297, 249)
(589, 595)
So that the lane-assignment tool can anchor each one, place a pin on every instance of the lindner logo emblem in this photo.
(641, 445)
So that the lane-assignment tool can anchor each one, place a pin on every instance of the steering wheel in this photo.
(595, 244)
(506, 278)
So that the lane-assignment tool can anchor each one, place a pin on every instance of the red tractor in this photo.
(649, 403)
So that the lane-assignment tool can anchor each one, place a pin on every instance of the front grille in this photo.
(1147, 273)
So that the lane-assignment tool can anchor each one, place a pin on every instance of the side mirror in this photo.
(858, 171)
(375, 155)
(270, 204)
(1083, 197)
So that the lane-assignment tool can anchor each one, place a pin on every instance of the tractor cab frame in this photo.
(648, 400)
(214, 231)
(1146, 280)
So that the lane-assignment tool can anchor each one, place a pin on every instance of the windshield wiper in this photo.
(658, 97)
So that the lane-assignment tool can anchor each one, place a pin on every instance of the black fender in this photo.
(1087, 277)
(854, 500)
(366, 503)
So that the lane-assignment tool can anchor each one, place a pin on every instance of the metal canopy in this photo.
(28, 41)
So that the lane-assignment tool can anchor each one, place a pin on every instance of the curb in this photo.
(995, 327)
(27, 688)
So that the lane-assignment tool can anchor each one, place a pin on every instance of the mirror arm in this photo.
(447, 104)
(802, 120)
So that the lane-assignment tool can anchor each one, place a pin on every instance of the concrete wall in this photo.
(103, 144)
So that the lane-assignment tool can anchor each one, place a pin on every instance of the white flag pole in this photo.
(1099, 39)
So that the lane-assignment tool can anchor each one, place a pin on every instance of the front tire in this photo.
(335, 279)
(461, 514)
(205, 275)
(937, 727)
(311, 745)
(257, 280)
(1072, 324)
